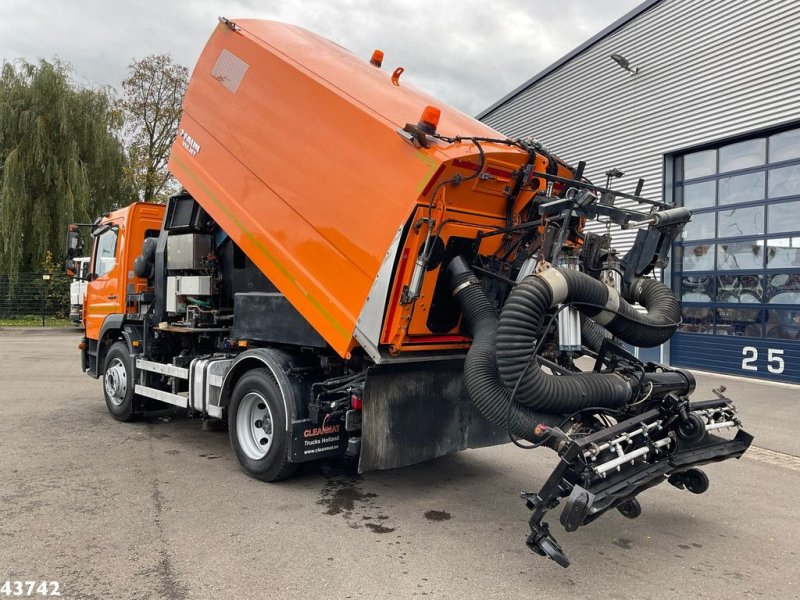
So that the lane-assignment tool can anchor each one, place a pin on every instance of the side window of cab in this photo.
(105, 256)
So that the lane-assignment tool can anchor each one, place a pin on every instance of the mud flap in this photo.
(312, 442)
(416, 412)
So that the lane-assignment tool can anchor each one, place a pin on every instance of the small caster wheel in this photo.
(692, 429)
(696, 481)
(553, 551)
(630, 509)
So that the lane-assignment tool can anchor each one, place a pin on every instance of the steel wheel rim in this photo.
(116, 382)
(254, 426)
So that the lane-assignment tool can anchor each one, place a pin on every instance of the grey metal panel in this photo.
(709, 70)
(588, 43)
(187, 250)
(206, 376)
(370, 320)
(162, 368)
(149, 392)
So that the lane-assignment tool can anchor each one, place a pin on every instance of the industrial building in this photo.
(702, 100)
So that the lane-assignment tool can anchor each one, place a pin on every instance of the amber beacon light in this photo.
(429, 120)
(377, 58)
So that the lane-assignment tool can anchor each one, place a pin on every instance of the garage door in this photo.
(737, 265)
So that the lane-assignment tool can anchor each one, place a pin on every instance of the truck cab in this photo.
(111, 284)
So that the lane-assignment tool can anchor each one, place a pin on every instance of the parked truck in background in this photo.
(77, 289)
(355, 269)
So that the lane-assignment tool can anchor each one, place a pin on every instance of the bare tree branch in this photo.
(153, 95)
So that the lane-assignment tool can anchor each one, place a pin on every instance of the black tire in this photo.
(257, 405)
(553, 550)
(692, 429)
(118, 382)
(696, 481)
(630, 509)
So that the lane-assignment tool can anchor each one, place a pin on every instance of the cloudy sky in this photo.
(469, 53)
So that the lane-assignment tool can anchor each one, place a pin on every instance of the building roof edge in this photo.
(618, 24)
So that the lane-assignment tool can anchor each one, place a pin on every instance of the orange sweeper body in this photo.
(291, 144)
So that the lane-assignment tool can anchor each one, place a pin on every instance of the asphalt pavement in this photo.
(159, 509)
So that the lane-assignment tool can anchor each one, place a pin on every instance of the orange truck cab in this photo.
(113, 292)
(355, 269)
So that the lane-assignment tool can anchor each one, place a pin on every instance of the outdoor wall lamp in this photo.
(623, 62)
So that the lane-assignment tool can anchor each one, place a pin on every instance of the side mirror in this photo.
(69, 268)
(101, 230)
(74, 242)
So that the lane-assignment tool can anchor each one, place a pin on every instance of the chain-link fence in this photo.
(34, 299)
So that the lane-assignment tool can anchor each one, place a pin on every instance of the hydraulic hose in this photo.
(481, 377)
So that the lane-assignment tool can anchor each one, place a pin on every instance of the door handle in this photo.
(112, 297)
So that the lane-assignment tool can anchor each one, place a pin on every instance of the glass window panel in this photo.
(784, 146)
(697, 320)
(783, 288)
(698, 257)
(784, 182)
(783, 217)
(744, 256)
(739, 321)
(697, 288)
(783, 253)
(699, 164)
(701, 227)
(699, 195)
(737, 222)
(739, 289)
(783, 324)
(742, 155)
(106, 252)
(741, 188)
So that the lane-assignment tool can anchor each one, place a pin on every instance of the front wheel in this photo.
(118, 382)
(257, 427)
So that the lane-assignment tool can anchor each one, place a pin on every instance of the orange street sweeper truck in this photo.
(355, 269)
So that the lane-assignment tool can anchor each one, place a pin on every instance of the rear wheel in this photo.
(257, 427)
(118, 382)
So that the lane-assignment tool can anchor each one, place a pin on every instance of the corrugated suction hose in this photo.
(509, 341)
(481, 378)
(592, 335)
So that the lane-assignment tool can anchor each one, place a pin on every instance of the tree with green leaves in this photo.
(153, 96)
(61, 160)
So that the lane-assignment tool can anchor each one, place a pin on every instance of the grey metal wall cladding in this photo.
(708, 70)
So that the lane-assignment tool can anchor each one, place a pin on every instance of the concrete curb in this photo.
(33, 330)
